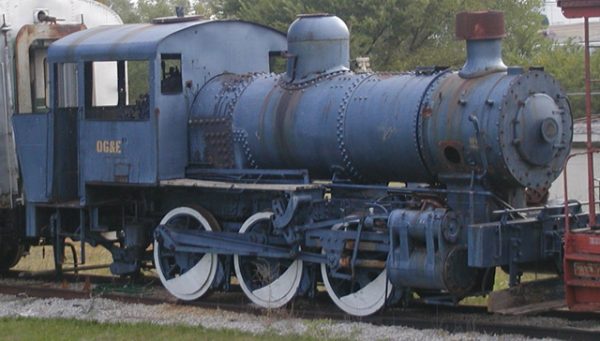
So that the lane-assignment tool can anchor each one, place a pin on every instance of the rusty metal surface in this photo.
(537, 196)
(218, 137)
(579, 8)
(16, 15)
(456, 138)
(586, 269)
(23, 12)
(131, 41)
(588, 121)
(134, 41)
(8, 160)
(582, 247)
(480, 25)
(581, 258)
(28, 36)
(323, 125)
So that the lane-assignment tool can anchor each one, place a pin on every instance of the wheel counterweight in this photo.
(268, 282)
(364, 294)
(186, 276)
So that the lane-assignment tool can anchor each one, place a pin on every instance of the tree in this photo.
(404, 34)
(150, 9)
(400, 34)
(146, 10)
(124, 8)
(203, 8)
(565, 62)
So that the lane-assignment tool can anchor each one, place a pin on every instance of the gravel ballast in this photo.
(108, 311)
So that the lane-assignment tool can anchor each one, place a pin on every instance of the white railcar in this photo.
(27, 28)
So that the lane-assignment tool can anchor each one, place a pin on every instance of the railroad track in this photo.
(419, 316)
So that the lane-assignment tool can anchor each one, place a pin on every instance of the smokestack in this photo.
(483, 32)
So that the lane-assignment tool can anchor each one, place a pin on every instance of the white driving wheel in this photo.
(185, 275)
(364, 295)
(268, 282)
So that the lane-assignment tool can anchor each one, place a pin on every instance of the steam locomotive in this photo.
(376, 185)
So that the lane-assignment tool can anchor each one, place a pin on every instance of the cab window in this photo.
(117, 90)
(171, 81)
(66, 85)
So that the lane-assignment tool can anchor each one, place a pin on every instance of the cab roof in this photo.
(113, 42)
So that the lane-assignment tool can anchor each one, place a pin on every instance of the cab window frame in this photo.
(171, 71)
(126, 107)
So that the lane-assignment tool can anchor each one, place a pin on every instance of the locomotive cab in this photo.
(133, 132)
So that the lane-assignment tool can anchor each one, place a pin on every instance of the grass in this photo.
(501, 282)
(41, 258)
(14, 329)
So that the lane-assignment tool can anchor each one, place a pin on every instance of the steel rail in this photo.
(419, 316)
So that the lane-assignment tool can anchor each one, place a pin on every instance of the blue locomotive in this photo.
(209, 164)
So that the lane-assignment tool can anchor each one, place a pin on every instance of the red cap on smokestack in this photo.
(480, 25)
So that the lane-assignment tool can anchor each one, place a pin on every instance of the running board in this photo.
(220, 185)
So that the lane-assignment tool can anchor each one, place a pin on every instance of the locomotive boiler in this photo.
(510, 126)
(377, 185)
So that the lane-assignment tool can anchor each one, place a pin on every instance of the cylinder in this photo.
(424, 254)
